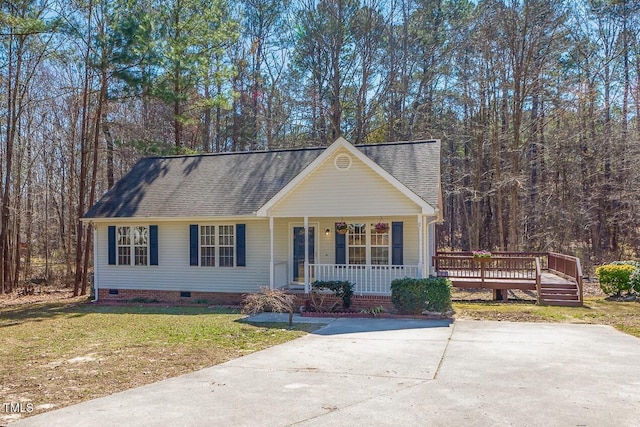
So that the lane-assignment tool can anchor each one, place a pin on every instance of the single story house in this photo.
(216, 226)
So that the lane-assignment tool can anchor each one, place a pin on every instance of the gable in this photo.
(344, 185)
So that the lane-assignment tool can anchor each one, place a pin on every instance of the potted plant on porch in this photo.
(382, 227)
(342, 227)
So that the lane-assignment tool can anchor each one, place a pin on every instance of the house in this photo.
(215, 226)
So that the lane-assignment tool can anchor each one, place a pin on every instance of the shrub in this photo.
(615, 278)
(341, 289)
(634, 279)
(266, 299)
(413, 296)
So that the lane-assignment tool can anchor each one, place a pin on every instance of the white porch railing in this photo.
(367, 279)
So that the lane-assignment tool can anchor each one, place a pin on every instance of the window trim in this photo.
(369, 226)
(132, 246)
(216, 245)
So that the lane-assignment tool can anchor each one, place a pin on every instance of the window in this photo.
(133, 240)
(208, 245)
(357, 242)
(218, 252)
(379, 246)
(226, 250)
(367, 246)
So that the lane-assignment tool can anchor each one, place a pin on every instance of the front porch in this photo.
(308, 249)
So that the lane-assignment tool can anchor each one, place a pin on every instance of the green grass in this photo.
(57, 354)
(624, 316)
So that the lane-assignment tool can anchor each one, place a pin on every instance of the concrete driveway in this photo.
(380, 372)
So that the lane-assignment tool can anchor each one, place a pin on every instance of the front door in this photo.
(298, 252)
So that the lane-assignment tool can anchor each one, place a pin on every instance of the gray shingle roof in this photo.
(232, 184)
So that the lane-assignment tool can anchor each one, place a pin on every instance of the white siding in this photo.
(173, 272)
(358, 191)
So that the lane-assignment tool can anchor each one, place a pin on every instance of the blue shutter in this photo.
(341, 248)
(193, 244)
(241, 245)
(396, 243)
(111, 231)
(153, 245)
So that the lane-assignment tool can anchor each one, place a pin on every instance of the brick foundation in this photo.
(358, 302)
(172, 297)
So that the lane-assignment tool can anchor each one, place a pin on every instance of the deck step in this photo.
(560, 294)
(553, 291)
(558, 285)
(564, 297)
(562, 303)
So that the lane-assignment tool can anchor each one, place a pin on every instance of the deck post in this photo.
(271, 264)
(306, 254)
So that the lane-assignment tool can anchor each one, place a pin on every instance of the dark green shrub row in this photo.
(342, 289)
(413, 296)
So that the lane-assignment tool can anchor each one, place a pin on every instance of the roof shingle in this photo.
(238, 184)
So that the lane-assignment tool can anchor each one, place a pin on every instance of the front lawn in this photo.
(59, 353)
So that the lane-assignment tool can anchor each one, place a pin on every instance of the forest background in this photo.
(537, 104)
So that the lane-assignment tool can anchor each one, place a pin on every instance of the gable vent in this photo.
(342, 162)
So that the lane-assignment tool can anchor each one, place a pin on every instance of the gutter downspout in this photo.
(95, 262)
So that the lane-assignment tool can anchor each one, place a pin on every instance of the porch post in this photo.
(271, 264)
(306, 254)
(420, 248)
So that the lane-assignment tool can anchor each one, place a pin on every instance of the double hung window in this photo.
(217, 246)
(133, 245)
(365, 245)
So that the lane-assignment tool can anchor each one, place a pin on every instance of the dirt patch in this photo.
(44, 294)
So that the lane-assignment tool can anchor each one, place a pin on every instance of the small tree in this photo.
(274, 300)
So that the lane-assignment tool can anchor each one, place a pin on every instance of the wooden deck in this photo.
(556, 278)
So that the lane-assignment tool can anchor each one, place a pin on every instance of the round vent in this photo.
(342, 162)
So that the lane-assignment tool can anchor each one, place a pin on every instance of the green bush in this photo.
(413, 296)
(634, 279)
(341, 289)
(615, 278)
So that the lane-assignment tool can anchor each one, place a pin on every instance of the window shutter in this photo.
(241, 245)
(341, 248)
(153, 245)
(193, 244)
(111, 231)
(396, 243)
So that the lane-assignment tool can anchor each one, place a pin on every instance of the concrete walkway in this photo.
(383, 372)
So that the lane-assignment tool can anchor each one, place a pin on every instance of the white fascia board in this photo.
(170, 219)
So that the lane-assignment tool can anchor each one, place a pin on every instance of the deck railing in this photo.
(493, 268)
(568, 266)
(544, 263)
(367, 279)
